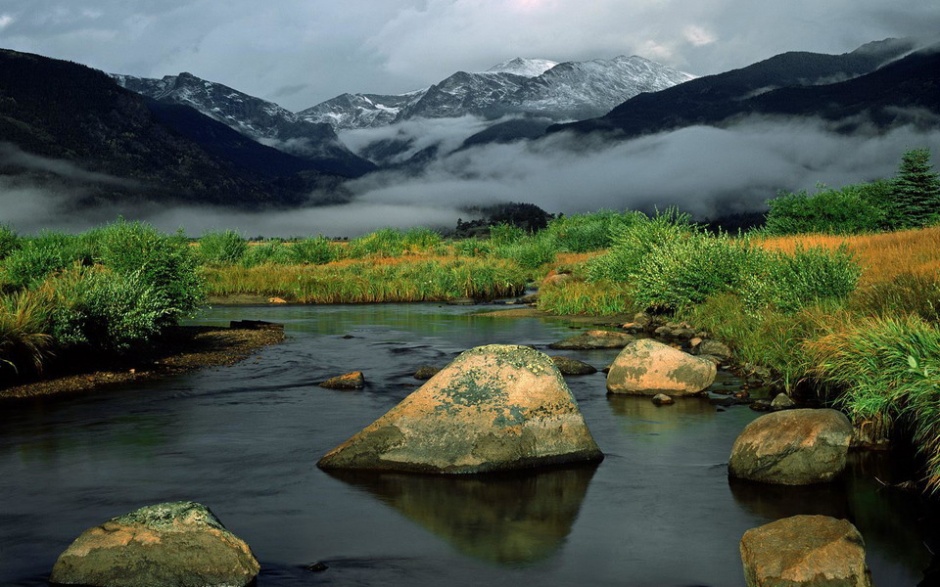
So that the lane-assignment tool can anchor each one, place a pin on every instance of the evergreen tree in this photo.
(916, 192)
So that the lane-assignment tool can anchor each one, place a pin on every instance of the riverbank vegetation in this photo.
(838, 293)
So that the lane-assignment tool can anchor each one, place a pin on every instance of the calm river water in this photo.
(244, 440)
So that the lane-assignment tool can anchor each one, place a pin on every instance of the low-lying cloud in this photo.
(705, 171)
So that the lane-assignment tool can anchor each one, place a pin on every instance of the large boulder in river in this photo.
(793, 447)
(180, 543)
(647, 367)
(809, 551)
(495, 408)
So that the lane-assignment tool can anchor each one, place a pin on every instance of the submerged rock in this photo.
(792, 447)
(425, 372)
(180, 543)
(594, 339)
(810, 551)
(495, 408)
(661, 399)
(569, 366)
(647, 367)
(348, 381)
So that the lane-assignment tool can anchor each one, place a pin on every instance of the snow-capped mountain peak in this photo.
(523, 67)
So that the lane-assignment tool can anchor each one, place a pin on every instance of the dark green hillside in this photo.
(71, 113)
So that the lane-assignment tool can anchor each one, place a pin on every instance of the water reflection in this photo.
(508, 520)
(643, 418)
(895, 524)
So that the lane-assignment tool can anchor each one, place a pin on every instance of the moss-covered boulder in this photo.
(647, 367)
(807, 551)
(495, 408)
(571, 367)
(181, 544)
(792, 447)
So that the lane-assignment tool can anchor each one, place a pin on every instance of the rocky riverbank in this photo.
(183, 349)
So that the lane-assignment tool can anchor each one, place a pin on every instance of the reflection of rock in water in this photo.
(502, 519)
(782, 501)
(645, 417)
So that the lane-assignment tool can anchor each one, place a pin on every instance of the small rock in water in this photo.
(782, 402)
(661, 399)
(354, 380)
(569, 366)
(316, 567)
(425, 372)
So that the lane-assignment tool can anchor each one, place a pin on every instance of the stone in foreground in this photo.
(495, 408)
(181, 544)
(792, 447)
(809, 551)
(647, 367)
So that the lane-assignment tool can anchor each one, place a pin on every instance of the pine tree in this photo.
(916, 191)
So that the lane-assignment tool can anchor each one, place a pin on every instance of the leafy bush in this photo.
(38, 257)
(853, 209)
(107, 310)
(9, 241)
(582, 233)
(689, 269)
(166, 264)
(222, 248)
(791, 282)
(633, 241)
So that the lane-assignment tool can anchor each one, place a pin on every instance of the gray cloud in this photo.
(391, 46)
(703, 170)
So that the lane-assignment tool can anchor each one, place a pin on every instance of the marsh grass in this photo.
(24, 339)
(423, 278)
(888, 367)
(577, 297)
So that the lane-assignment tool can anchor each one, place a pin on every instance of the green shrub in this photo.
(315, 251)
(633, 241)
(472, 247)
(809, 276)
(582, 233)
(530, 252)
(506, 234)
(688, 269)
(167, 264)
(387, 242)
(40, 256)
(854, 209)
(107, 310)
(222, 248)
(421, 239)
(9, 241)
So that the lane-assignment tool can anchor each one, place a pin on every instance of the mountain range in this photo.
(182, 138)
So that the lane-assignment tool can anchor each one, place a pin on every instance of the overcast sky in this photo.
(301, 52)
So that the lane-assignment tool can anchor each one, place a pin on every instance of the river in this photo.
(244, 440)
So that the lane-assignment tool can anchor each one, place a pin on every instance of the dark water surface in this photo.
(244, 440)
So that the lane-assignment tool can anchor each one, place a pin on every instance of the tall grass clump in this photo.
(40, 256)
(97, 308)
(808, 276)
(226, 247)
(166, 264)
(386, 242)
(889, 367)
(315, 251)
(906, 294)
(9, 241)
(576, 297)
(633, 241)
(529, 252)
(24, 339)
(581, 233)
(272, 252)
